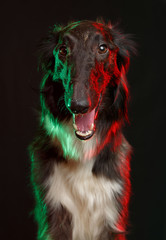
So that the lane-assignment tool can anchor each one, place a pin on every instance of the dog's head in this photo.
(84, 65)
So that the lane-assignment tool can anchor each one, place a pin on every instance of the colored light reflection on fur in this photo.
(63, 134)
(53, 126)
(40, 211)
(97, 86)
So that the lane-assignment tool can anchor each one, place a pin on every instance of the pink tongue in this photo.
(84, 121)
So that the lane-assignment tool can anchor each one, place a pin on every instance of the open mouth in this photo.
(84, 124)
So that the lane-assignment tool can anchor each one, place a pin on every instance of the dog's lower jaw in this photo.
(85, 136)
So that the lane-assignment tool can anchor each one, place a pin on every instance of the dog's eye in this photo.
(102, 48)
(63, 50)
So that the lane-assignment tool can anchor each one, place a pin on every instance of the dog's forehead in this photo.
(84, 30)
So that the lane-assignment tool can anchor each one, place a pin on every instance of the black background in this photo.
(23, 23)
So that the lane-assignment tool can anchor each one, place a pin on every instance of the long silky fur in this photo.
(84, 197)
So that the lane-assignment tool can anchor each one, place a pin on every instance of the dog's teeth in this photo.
(75, 126)
(84, 133)
(92, 126)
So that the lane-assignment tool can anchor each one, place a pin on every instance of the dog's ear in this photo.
(46, 47)
(126, 47)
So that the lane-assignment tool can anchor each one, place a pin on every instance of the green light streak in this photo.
(61, 70)
(57, 28)
(42, 101)
(40, 210)
(54, 128)
(73, 25)
(58, 64)
(64, 135)
(70, 26)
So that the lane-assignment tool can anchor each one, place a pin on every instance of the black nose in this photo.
(79, 106)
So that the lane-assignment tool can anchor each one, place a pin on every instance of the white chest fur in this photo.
(89, 199)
